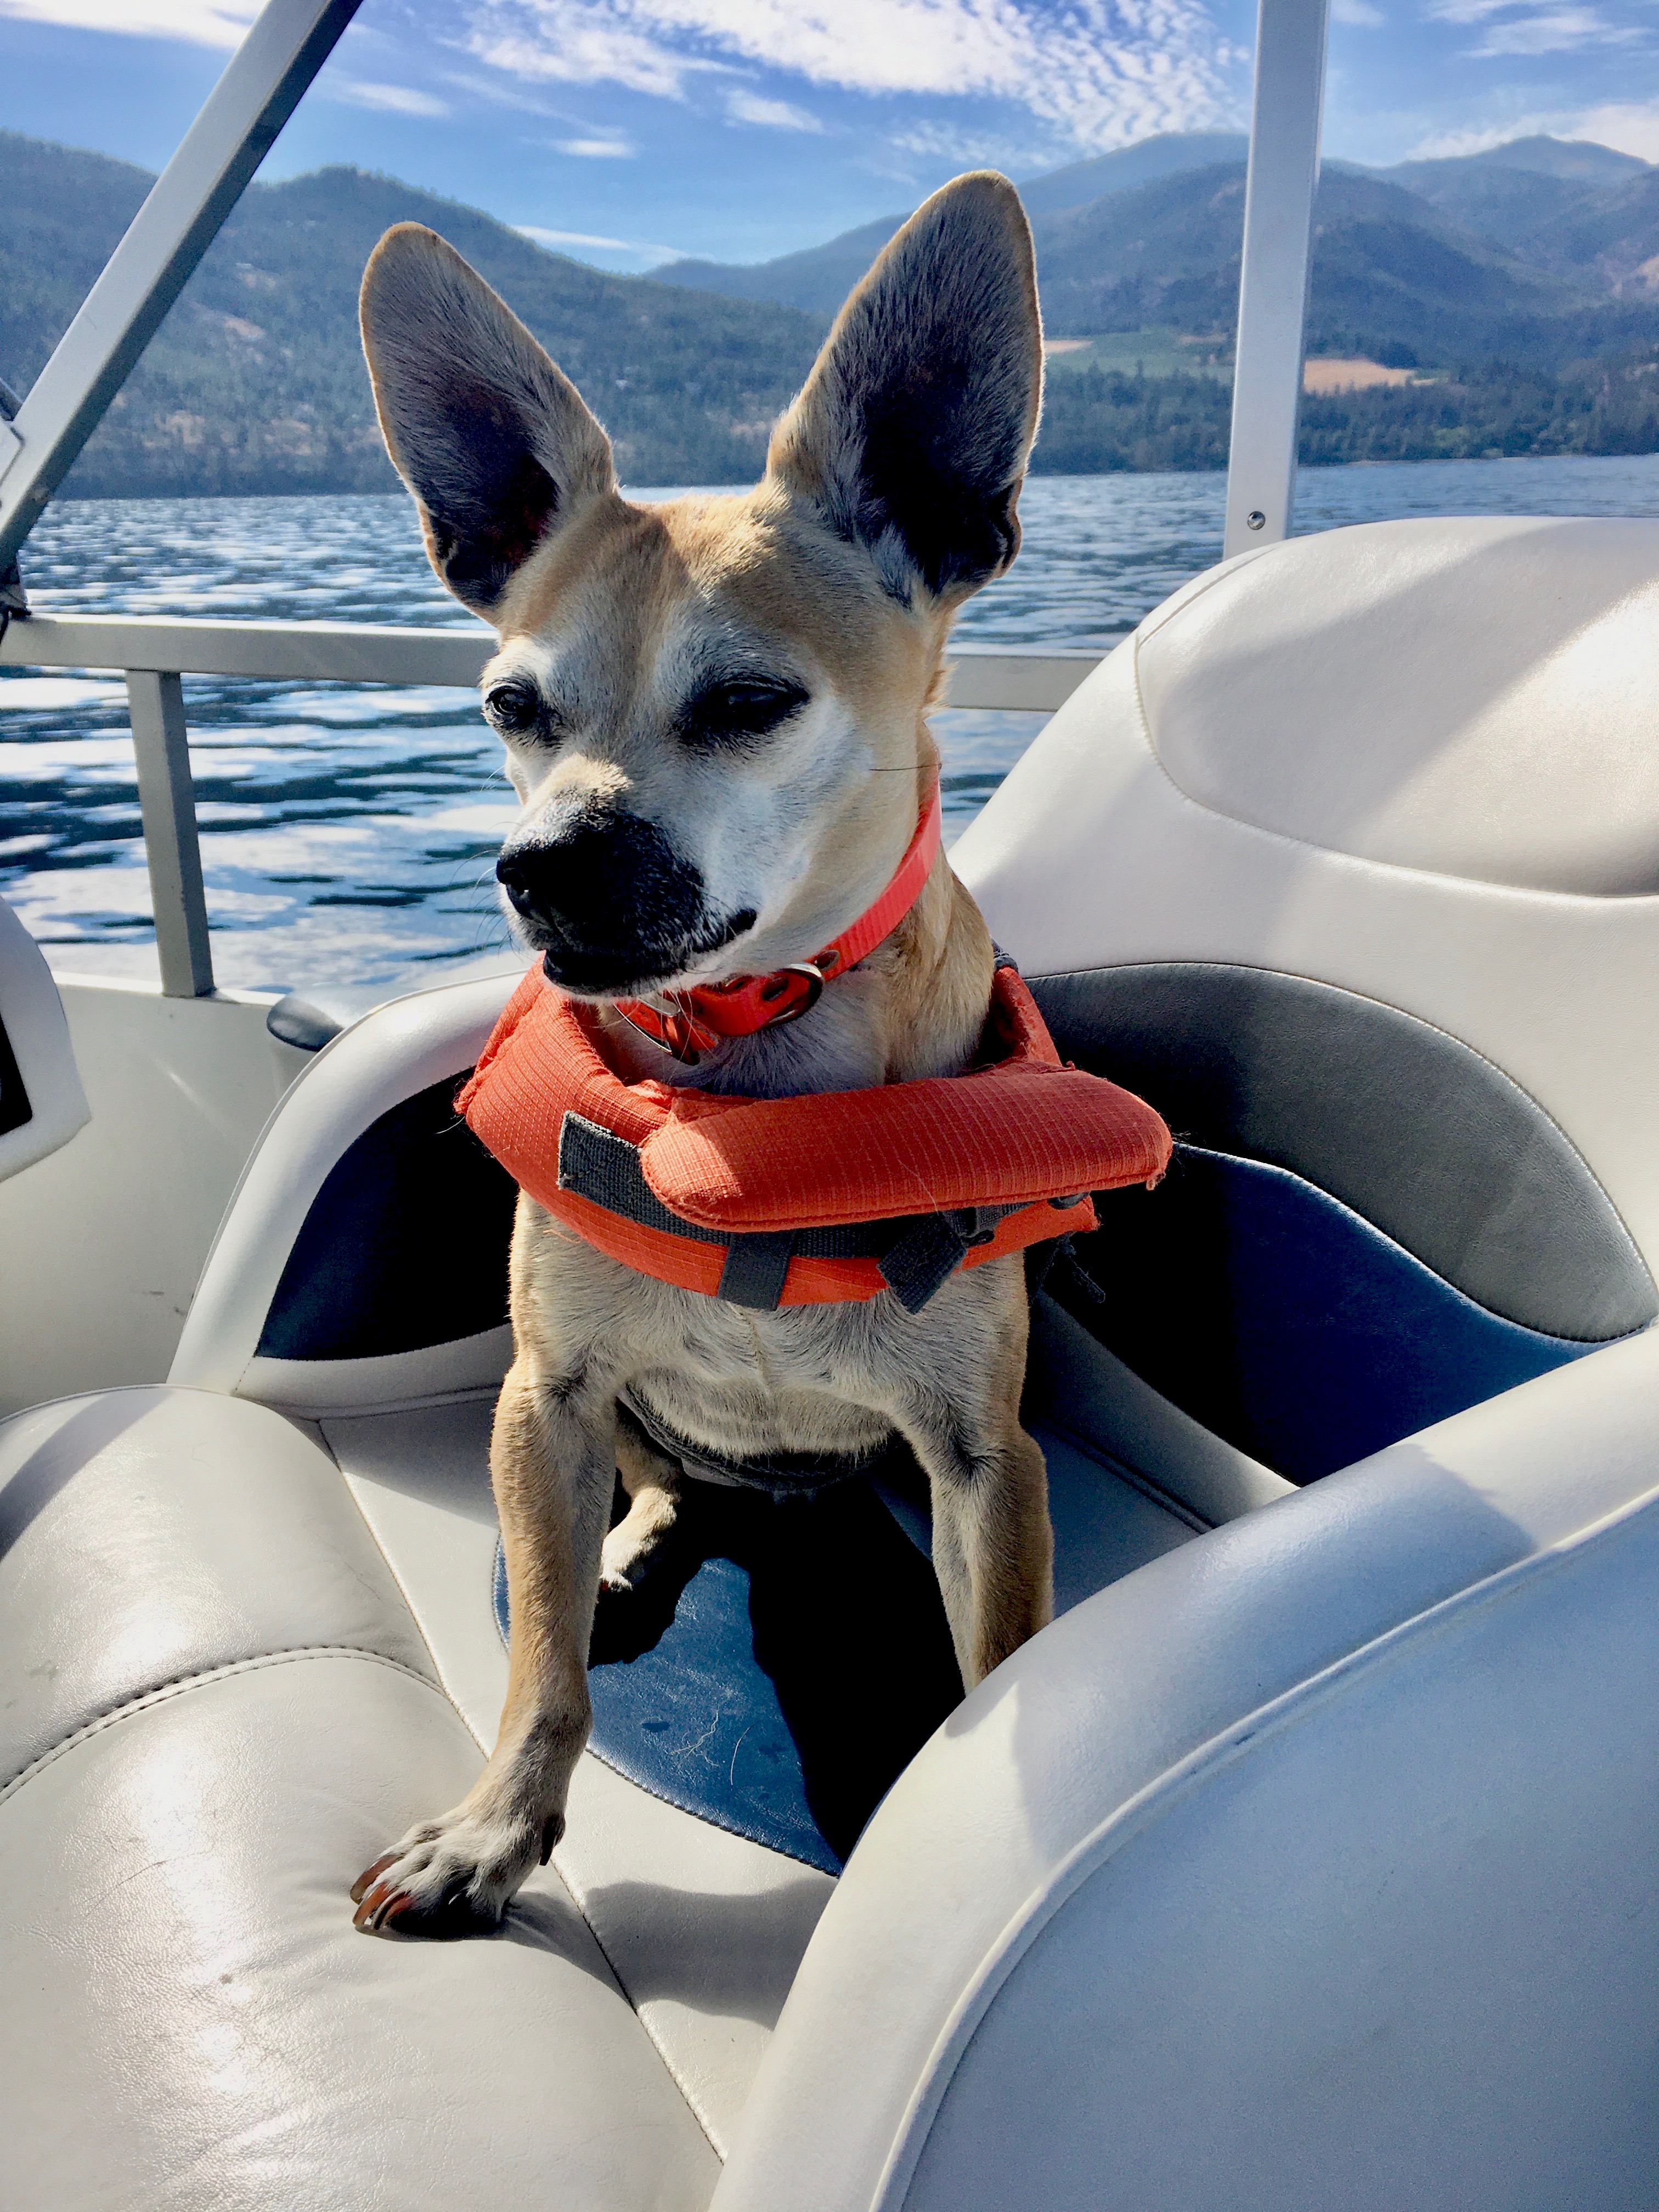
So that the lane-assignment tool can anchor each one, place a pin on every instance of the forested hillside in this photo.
(1099, 421)
(1519, 289)
(256, 380)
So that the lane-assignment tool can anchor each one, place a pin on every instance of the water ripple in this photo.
(348, 831)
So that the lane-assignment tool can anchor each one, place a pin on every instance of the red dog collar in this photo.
(695, 1021)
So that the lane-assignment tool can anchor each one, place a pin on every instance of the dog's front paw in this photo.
(637, 1542)
(626, 1555)
(455, 1876)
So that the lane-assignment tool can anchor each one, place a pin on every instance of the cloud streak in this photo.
(1552, 30)
(558, 238)
(386, 98)
(1546, 30)
(1101, 71)
(743, 106)
(221, 23)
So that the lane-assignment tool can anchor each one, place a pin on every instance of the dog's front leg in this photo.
(993, 1545)
(553, 1463)
(653, 1485)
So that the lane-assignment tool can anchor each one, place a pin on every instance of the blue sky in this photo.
(627, 130)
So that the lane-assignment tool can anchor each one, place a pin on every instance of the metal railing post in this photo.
(167, 800)
(1273, 289)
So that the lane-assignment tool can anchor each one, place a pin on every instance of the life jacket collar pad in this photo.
(990, 1152)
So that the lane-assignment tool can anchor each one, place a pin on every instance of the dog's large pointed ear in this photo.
(489, 435)
(910, 436)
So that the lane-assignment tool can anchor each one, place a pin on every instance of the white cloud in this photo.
(772, 115)
(1102, 71)
(584, 50)
(1622, 124)
(386, 98)
(196, 22)
(556, 239)
(1552, 30)
(930, 143)
(1546, 30)
(597, 150)
(1358, 14)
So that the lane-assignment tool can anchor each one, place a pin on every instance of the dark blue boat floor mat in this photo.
(783, 1661)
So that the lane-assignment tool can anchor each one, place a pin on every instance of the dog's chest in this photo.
(827, 1378)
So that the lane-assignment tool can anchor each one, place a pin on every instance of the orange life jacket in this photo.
(807, 1201)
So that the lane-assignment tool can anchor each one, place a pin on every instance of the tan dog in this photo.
(714, 713)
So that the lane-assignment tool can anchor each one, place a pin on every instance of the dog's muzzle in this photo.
(608, 901)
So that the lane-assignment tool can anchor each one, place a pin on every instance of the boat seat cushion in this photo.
(148, 1535)
(708, 1680)
(1467, 696)
(217, 1707)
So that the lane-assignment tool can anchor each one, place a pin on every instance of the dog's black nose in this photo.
(607, 898)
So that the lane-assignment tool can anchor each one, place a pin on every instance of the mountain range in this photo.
(1520, 286)
(1541, 250)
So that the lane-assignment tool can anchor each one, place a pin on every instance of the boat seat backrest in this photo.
(1349, 861)
(363, 1261)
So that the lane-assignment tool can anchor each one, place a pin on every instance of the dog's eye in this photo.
(513, 708)
(727, 714)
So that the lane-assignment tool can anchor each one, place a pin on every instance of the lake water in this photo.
(348, 833)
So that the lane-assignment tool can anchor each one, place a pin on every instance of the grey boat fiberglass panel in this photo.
(1414, 1130)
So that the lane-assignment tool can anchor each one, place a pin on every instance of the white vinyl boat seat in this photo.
(1367, 1225)
(1308, 1857)
(42, 1104)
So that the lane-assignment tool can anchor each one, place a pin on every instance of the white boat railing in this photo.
(155, 652)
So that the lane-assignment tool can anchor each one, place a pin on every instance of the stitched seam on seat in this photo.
(693, 2104)
(163, 1691)
(439, 1684)
(1132, 1478)
(570, 1887)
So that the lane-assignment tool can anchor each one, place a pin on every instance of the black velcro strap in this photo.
(922, 1259)
(755, 1269)
(597, 1164)
(933, 1249)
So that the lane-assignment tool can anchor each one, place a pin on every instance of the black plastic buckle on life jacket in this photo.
(931, 1249)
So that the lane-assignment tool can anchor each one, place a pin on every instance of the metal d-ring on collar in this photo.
(816, 979)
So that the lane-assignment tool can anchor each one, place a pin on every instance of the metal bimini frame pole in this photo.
(1272, 291)
(261, 87)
